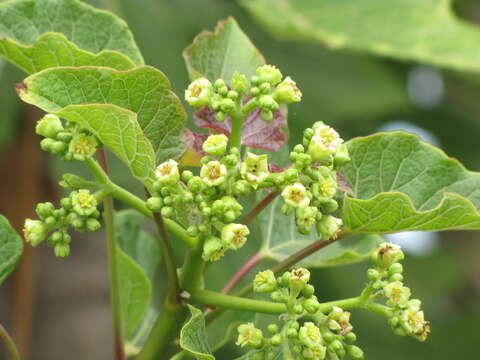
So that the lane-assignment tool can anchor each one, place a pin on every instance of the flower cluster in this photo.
(70, 142)
(321, 336)
(266, 91)
(386, 278)
(78, 211)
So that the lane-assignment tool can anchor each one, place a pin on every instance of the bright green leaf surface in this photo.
(420, 30)
(144, 90)
(53, 49)
(24, 21)
(401, 183)
(193, 336)
(281, 239)
(118, 129)
(11, 248)
(135, 291)
(221, 53)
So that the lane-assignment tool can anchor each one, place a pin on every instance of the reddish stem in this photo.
(241, 273)
(259, 207)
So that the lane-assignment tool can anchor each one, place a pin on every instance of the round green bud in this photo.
(287, 92)
(307, 353)
(328, 337)
(167, 211)
(186, 175)
(232, 95)
(267, 102)
(254, 91)
(199, 92)
(231, 160)
(239, 83)
(299, 149)
(265, 88)
(223, 91)
(298, 309)
(93, 225)
(273, 329)
(276, 340)
(395, 268)
(61, 250)
(350, 337)
(395, 278)
(329, 205)
(168, 200)
(155, 203)
(328, 227)
(291, 333)
(311, 305)
(215, 145)
(242, 187)
(49, 126)
(269, 73)
(44, 210)
(50, 221)
(373, 274)
(219, 83)
(341, 157)
(355, 352)
(386, 255)
(335, 345)
(195, 185)
(220, 116)
(227, 106)
(78, 223)
(291, 175)
(64, 136)
(277, 296)
(165, 191)
(66, 203)
(255, 80)
(266, 115)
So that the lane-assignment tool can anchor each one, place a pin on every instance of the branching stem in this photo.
(9, 344)
(259, 207)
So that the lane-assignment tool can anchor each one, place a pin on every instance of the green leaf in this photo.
(53, 49)
(224, 328)
(219, 54)
(281, 239)
(144, 91)
(193, 336)
(426, 31)
(11, 248)
(135, 292)
(401, 183)
(118, 129)
(92, 30)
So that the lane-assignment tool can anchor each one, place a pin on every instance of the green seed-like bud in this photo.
(254, 91)
(83, 202)
(328, 227)
(276, 340)
(329, 205)
(311, 305)
(61, 250)
(50, 221)
(350, 337)
(186, 175)
(195, 184)
(269, 73)
(249, 335)
(239, 83)
(267, 102)
(266, 115)
(287, 92)
(254, 169)
(273, 329)
(395, 277)
(308, 291)
(387, 255)
(227, 106)
(213, 249)
(215, 145)
(310, 336)
(373, 274)
(265, 282)
(234, 236)
(277, 296)
(66, 203)
(93, 225)
(167, 211)
(199, 93)
(167, 172)
(49, 126)
(44, 210)
(155, 203)
(292, 333)
(395, 268)
(34, 231)
(355, 352)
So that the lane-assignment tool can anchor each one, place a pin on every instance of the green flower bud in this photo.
(64, 136)
(276, 340)
(373, 274)
(355, 352)
(254, 169)
(167, 211)
(186, 175)
(273, 329)
(227, 106)
(83, 202)
(311, 305)
(234, 236)
(223, 91)
(395, 268)
(213, 249)
(395, 277)
(341, 157)
(292, 333)
(324, 142)
(233, 95)
(266, 115)
(66, 203)
(291, 175)
(167, 172)
(305, 217)
(310, 336)
(397, 294)
(83, 146)
(239, 83)
(49, 126)
(329, 206)
(93, 225)
(328, 227)
(265, 88)
(299, 278)
(213, 173)
(265, 282)
(308, 291)
(387, 255)
(215, 145)
(267, 102)
(269, 73)
(254, 91)
(219, 83)
(155, 203)
(249, 335)
(199, 93)
(319, 353)
(277, 296)
(61, 250)
(296, 195)
(195, 185)
(44, 210)
(287, 92)
(350, 337)
(50, 221)
(34, 231)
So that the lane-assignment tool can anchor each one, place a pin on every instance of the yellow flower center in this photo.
(83, 146)
(85, 200)
(214, 172)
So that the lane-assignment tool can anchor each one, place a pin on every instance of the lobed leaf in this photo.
(193, 336)
(401, 183)
(11, 248)
(145, 91)
(135, 292)
(91, 30)
(426, 31)
(217, 55)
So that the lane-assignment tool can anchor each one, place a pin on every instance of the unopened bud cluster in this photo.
(78, 211)
(71, 142)
(386, 278)
(319, 337)
(266, 90)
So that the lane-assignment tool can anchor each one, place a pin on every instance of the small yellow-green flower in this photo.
(397, 293)
(287, 92)
(213, 173)
(387, 255)
(269, 73)
(49, 126)
(167, 172)
(83, 202)
(199, 92)
(213, 249)
(83, 146)
(215, 145)
(324, 142)
(254, 169)
(249, 335)
(325, 188)
(34, 231)
(299, 278)
(328, 227)
(264, 282)
(339, 320)
(296, 195)
(234, 236)
(413, 321)
(310, 335)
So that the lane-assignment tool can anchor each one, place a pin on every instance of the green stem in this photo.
(191, 275)
(9, 344)
(108, 212)
(160, 343)
(237, 124)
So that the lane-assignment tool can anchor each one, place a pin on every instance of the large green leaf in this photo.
(22, 22)
(193, 336)
(144, 90)
(11, 248)
(401, 183)
(53, 49)
(420, 30)
(135, 292)
(281, 239)
(118, 129)
(221, 53)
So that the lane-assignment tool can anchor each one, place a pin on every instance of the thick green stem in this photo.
(191, 275)
(160, 343)
(108, 213)
(9, 344)
(237, 124)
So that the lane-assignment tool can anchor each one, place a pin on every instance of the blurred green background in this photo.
(358, 94)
